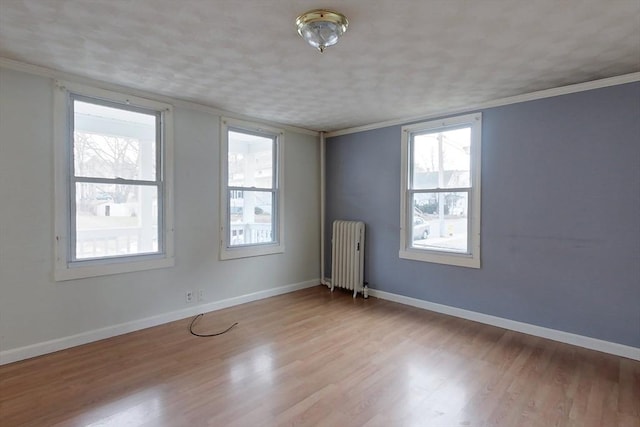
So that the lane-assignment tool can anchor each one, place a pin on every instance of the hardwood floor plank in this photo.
(316, 358)
(629, 384)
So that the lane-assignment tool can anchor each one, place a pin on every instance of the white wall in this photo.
(34, 310)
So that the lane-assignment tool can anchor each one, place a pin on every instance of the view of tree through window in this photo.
(114, 180)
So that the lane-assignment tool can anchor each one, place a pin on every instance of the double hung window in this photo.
(251, 190)
(440, 219)
(113, 184)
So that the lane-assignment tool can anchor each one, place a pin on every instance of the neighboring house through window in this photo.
(113, 170)
(251, 196)
(440, 220)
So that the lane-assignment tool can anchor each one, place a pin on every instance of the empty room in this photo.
(338, 213)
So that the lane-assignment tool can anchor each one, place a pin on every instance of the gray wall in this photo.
(35, 309)
(560, 215)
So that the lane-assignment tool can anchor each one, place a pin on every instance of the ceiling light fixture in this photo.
(321, 28)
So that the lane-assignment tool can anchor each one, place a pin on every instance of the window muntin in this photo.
(441, 191)
(112, 183)
(252, 193)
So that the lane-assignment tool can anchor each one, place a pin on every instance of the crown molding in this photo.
(547, 93)
(532, 96)
(181, 103)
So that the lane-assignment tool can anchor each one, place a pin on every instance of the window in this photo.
(251, 196)
(113, 186)
(440, 219)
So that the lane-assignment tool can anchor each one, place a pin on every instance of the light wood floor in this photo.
(314, 358)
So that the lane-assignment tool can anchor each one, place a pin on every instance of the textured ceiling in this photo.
(399, 58)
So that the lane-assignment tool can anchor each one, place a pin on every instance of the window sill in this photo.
(250, 251)
(108, 268)
(458, 260)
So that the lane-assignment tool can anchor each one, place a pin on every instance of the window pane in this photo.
(250, 217)
(440, 221)
(115, 220)
(250, 160)
(441, 159)
(113, 143)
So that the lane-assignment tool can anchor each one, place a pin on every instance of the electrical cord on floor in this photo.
(207, 335)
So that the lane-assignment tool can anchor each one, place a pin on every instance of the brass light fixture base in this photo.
(321, 28)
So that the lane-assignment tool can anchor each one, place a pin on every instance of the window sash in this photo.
(159, 131)
(73, 231)
(274, 154)
(433, 131)
(410, 214)
(274, 215)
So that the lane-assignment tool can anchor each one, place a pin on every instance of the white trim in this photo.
(248, 251)
(38, 349)
(323, 150)
(277, 247)
(526, 328)
(182, 103)
(455, 259)
(532, 96)
(115, 96)
(105, 268)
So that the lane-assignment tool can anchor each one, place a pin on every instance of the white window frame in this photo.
(407, 251)
(65, 268)
(228, 252)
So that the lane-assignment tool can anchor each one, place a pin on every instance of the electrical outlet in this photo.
(200, 294)
(188, 296)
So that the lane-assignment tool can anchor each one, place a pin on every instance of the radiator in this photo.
(347, 256)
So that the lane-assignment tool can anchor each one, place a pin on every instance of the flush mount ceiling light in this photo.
(321, 28)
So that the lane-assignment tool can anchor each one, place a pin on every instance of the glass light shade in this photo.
(321, 28)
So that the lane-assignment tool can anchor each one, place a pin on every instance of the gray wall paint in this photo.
(560, 215)
(34, 308)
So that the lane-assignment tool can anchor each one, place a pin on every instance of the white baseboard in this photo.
(26, 352)
(527, 328)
